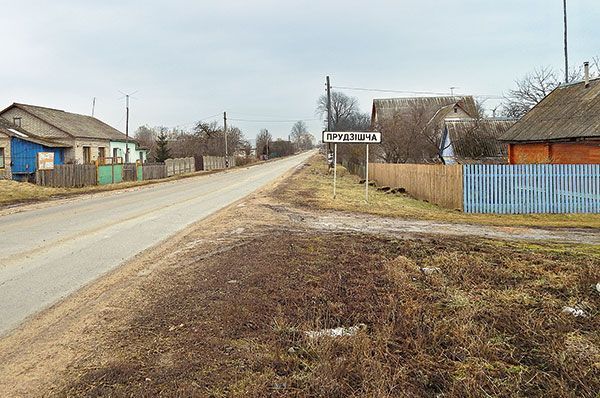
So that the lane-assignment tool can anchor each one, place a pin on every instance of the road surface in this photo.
(50, 252)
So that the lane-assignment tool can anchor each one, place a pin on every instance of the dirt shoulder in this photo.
(222, 310)
(313, 189)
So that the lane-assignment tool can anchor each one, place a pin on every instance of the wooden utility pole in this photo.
(566, 42)
(328, 105)
(127, 129)
(225, 134)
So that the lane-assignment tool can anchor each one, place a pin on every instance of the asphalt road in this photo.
(48, 253)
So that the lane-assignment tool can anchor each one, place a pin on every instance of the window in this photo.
(87, 155)
(101, 152)
(2, 158)
(17, 121)
(141, 157)
(115, 153)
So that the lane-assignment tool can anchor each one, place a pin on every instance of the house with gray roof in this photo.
(19, 149)
(86, 137)
(564, 128)
(417, 123)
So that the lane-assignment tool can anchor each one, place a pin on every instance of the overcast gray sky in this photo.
(267, 60)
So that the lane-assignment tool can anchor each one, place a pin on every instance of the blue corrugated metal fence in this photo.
(531, 188)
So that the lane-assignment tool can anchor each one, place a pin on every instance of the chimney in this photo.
(586, 73)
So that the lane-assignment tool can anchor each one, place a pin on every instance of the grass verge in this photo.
(312, 187)
(442, 317)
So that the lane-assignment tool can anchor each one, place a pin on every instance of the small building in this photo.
(564, 128)
(86, 137)
(472, 141)
(418, 123)
(136, 153)
(19, 151)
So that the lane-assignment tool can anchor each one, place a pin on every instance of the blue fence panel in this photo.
(521, 189)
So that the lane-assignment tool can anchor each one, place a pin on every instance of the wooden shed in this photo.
(564, 128)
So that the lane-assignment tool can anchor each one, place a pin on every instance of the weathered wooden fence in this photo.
(439, 184)
(67, 176)
(216, 162)
(532, 188)
(180, 166)
(498, 189)
(130, 172)
(154, 171)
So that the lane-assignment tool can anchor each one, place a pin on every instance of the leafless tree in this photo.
(262, 143)
(300, 136)
(534, 86)
(343, 109)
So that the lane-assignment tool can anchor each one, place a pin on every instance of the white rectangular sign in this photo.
(352, 137)
(45, 160)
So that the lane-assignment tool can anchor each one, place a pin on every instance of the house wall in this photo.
(24, 157)
(134, 152)
(555, 153)
(76, 153)
(34, 125)
(5, 172)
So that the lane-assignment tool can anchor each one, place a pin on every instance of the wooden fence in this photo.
(532, 188)
(67, 176)
(439, 184)
(498, 189)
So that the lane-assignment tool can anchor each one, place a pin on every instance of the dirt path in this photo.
(397, 227)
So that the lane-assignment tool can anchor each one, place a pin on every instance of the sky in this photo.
(265, 62)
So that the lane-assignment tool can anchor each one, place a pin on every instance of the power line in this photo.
(413, 92)
(272, 120)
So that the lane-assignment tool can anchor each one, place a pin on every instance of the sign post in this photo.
(351, 137)
(334, 168)
(367, 176)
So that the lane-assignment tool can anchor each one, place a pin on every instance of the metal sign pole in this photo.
(334, 168)
(367, 177)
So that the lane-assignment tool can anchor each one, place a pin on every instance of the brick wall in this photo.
(76, 152)
(555, 153)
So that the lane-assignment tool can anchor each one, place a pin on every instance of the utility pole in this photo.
(328, 105)
(566, 43)
(93, 106)
(127, 129)
(225, 134)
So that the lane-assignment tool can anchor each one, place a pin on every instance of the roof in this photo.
(75, 125)
(570, 111)
(12, 130)
(478, 140)
(387, 108)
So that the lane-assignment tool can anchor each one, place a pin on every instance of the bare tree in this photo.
(300, 136)
(535, 86)
(262, 143)
(343, 109)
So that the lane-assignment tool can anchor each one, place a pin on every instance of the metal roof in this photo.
(569, 112)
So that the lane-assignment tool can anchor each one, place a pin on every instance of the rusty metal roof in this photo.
(478, 140)
(569, 112)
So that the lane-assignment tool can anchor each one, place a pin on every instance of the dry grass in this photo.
(13, 193)
(312, 187)
(488, 323)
